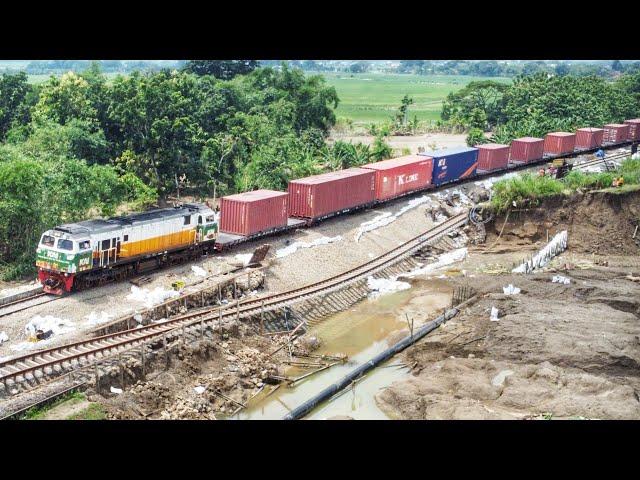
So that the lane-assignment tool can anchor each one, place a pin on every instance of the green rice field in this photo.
(373, 97)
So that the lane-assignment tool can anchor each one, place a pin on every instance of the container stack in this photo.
(526, 150)
(616, 133)
(588, 138)
(559, 143)
(401, 175)
(492, 156)
(329, 193)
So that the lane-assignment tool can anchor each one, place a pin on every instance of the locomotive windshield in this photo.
(65, 244)
(48, 240)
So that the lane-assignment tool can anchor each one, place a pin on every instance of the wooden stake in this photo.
(144, 373)
(262, 317)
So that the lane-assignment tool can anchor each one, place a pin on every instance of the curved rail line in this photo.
(53, 362)
(37, 366)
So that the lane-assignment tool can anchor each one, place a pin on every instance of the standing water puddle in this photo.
(361, 333)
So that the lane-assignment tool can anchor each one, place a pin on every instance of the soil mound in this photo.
(601, 222)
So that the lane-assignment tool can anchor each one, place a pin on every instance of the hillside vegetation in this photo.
(79, 145)
(529, 189)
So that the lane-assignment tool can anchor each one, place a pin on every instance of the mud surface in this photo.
(556, 351)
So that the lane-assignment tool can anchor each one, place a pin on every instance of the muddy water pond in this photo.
(360, 333)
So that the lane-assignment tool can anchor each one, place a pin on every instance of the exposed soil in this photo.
(427, 141)
(599, 223)
(557, 351)
(231, 370)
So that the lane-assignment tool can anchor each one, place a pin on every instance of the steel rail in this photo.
(27, 365)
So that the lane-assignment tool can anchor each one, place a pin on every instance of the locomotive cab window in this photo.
(65, 244)
(126, 238)
(48, 240)
(85, 245)
(105, 244)
(211, 218)
(187, 219)
(199, 219)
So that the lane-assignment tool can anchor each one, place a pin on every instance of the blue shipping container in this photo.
(453, 164)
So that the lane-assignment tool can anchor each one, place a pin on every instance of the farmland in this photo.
(373, 97)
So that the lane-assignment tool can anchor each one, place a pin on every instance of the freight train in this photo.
(84, 254)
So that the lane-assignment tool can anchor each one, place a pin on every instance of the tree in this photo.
(14, 101)
(617, 66)
(475, 137)
(562, 69)
(63, 99)
(359, 67)
(223, 69)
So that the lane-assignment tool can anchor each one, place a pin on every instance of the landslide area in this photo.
(601, 222)
(557, 350)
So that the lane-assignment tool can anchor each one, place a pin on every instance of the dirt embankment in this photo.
(597, 222)
(556, 351)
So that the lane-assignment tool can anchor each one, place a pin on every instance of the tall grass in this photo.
(528, 190)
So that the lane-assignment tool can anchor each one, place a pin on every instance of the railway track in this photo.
(46, 366)
(33, 369)
(16, 306)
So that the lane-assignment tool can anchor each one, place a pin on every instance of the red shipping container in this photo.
(253, 212)
(526, 149)
(320, 195)
(634, 129)
(401, 175)
(616, 133)
(558, 143)
(492, 156)
(587, 138)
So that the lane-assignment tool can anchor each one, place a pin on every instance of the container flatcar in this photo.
(588, 138)
(401, 175)
(453, 164)
(330, 193)
(492, 156)
(253, 212)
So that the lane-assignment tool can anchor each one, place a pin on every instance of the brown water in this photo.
(361, 333)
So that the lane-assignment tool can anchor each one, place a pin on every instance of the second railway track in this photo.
(30, 370)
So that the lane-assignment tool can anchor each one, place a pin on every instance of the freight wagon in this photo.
(454, 164)
(492, 156)
(559, 143)
(400, 176)
(328, 194)
(83, 254)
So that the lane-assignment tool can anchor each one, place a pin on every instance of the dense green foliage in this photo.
(81, 144)
(528, 189)
(537, 104)
(224, 69)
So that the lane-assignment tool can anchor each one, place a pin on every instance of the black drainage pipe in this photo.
(331, 390)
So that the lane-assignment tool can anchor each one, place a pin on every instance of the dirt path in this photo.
(428, 141)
